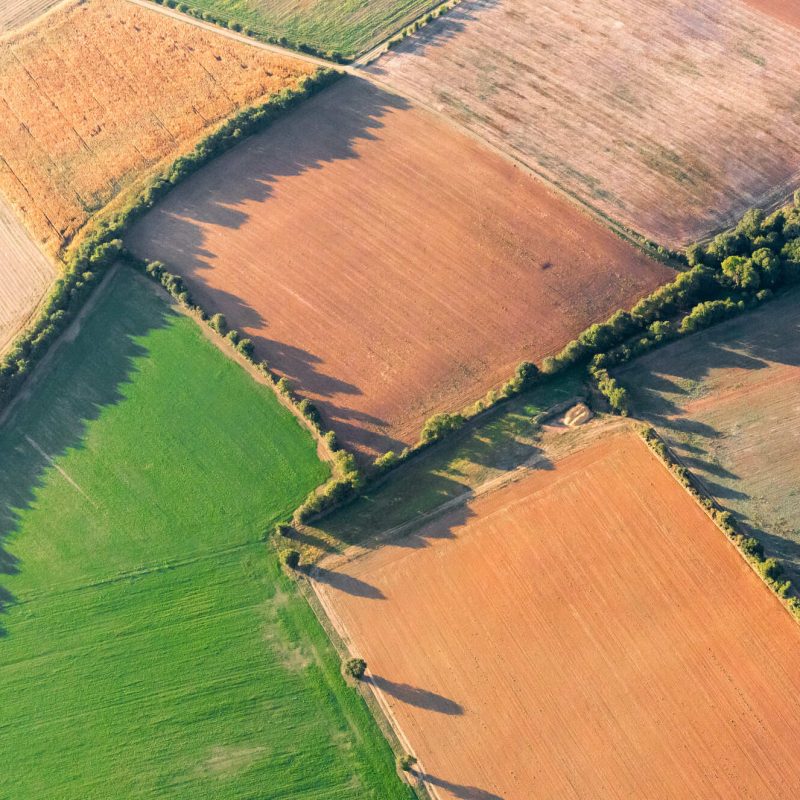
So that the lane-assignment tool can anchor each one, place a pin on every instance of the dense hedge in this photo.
(768, 568)
(102, 240)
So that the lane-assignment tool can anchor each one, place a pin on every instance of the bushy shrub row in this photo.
(768, 568)
(424, 20)
(86, 263)
(282, 41)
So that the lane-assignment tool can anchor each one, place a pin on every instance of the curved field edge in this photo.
(141, 605)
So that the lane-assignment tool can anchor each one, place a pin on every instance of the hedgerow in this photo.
(101, 245)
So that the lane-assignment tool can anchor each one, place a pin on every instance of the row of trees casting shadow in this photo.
(662, 383)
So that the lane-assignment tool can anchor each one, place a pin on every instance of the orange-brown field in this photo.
(390, 266)
(25, 274)
(787, 11)
(96, 94)
(671, 117)
(587, 632)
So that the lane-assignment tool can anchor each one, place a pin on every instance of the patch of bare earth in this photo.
(671, 117)
(97, 95)
(388, 265)
(587, 632)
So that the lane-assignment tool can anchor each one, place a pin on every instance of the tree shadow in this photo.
(419, 698)
(459, 790)
(82, 378)
(325, 129)
(347, 584)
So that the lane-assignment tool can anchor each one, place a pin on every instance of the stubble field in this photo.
(348, 27)
(388, 265)
(585, 632)
(726, 400)
(16, 13)
(25, 274)
(671, 118)
(151, 646)
(96, 95)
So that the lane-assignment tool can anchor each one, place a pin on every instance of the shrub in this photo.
(386, 461)
(355, 668)
(245, 347)
(407, 762)
(440, 425)
(219, 324)
(285, 530)
(290, 558)
(233, 337)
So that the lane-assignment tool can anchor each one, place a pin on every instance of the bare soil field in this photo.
(726, 401)
(585, 633)
(16, 13)
(787, 11)
(670, 117)
(25, 274)
(388, 265)
(97, 94)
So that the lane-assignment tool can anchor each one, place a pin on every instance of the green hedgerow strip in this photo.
(102, 244)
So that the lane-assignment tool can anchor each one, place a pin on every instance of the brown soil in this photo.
(585, 633)
(97, 95)
(390, 266)
(787, 11)
(670, 117)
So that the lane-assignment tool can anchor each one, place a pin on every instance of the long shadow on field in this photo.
(347, 584)
(420, 698)
(437, 33)
(458, 790)
(84, 376)
(326, 129)
(664, 384)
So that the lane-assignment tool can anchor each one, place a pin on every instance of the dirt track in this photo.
(390, 266)
(670, 117)
(586, 633)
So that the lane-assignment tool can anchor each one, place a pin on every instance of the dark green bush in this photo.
(355, 668)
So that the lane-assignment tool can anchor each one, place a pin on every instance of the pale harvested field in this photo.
(16, 13)
(388, 265)
(585, 633)
(96, 95)
(728, 402)
(25, 274)
(670, 117)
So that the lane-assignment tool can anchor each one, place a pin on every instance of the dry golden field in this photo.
(585, 633)
(98, 93)
(669, 116)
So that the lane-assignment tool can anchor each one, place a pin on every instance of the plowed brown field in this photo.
(388, 265)
(669, 116)
(96, 94)
(787, 11)
(25, 274)
(585, 633)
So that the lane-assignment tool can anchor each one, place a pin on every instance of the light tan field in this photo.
(670, 117)
(25, 274)
(16, 13)
(587, 633)
(388, 265)
(98, 94)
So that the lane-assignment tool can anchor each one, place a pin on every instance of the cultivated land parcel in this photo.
(587, 632)
(388, 265)
(348, 27)
(670, 117)
(151, 646)
(99, 94)
(726, 401)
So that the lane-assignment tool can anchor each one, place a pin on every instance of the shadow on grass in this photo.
(663, 384)
(82, 378)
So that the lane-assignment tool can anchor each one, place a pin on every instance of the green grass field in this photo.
(151, 645)
(349, 27)
(501, 441)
